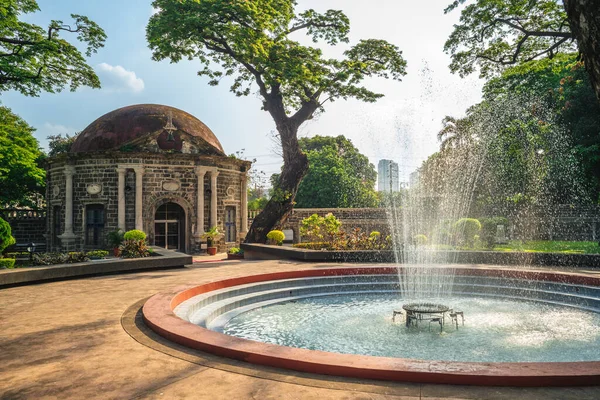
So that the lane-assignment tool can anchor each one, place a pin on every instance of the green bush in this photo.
(318, 229)
(76, 256)
(15, 254)
(465, 230)
(236, 250)
(49, 258)
(314, 246)
(6, 238)
(276, 236)
(420, 240)
(97, 253)
(488, 229)
(115, 238)
(7, 263)
(134, 249)
(134, 234)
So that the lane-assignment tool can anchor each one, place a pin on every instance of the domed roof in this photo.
(124, 125)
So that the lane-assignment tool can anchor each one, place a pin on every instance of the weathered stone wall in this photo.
(179, 169)
(562, 222)
(28, 226)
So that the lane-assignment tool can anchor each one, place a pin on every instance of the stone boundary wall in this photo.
(561, 222)
(27, 225)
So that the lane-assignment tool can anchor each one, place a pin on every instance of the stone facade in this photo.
(172, 195)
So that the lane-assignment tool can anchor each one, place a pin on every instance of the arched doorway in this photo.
(169, 227)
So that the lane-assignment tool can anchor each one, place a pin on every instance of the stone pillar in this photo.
(200, 172)
(244, 204)
(68, 237)
(213, 197)
(121, 198)
(139, 218)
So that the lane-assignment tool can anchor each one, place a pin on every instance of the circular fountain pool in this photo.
(522, 327)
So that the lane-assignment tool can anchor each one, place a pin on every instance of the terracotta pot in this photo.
(116, 252)
(211, 250)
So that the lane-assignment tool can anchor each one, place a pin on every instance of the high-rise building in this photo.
(388, 177)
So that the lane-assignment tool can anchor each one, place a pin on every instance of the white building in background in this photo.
(414, 178)
(388, 176)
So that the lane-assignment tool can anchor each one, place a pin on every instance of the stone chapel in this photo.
(149, 167)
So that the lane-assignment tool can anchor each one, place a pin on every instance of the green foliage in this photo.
(115, 238)
(6, 238)
(420, 240)
(257, 204)
(76, 256)
(465, 230)
(97, 254)
(489, 227)
(7, 263)
(339, 176)
(134, 234)
(250, 41)
(314, 246)
(316, 228)
(59, 144)
(35, 59)
(49, 258)
(493, 34)
(236, 251)
(276, 236)
(211, 235)
(20, 176)
(59, 258)
(134, 248)
(547, 246)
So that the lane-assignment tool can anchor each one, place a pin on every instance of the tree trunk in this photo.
(295, 166)
(584, 20)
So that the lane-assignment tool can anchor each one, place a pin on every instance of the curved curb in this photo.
(158, 315)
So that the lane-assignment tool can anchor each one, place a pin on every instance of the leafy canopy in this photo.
(338, 175)
(493, 34)
(35, 59)
(252, 41)
(20, 175)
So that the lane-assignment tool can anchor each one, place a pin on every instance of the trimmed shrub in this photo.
(488, 229)
(134, 234)
(97, 253)
(420, 240)
(236, 250)
(6, 238)
(465, 230)
(7, 263)
(276, 236)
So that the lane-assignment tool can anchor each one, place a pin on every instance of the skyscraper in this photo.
(387, 176)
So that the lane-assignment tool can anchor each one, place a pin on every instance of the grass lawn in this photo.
(547, 246)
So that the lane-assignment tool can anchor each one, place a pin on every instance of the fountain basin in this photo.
(219, 300)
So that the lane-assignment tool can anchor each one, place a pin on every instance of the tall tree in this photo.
(338, 176)
(35, 59)
(252, 41)
(494, 34)
(20, 175)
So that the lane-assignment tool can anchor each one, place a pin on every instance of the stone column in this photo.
(200, 172)
(68, 237)
(244, 204)
(121, 198)
(213, 197)
(139, 218)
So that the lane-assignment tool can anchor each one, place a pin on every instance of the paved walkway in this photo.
(82, 339)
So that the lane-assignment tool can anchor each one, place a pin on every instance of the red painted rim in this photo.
(158, 315)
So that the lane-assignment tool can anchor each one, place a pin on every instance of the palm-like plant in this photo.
(456, 133)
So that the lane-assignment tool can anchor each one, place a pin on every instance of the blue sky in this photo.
(402, 126)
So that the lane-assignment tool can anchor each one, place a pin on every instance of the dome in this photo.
(128, 124)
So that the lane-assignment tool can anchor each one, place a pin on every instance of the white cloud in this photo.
(118, 79)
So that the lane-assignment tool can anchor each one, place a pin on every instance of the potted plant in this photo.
(235, 253)
(210, 237)
(115, 239)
